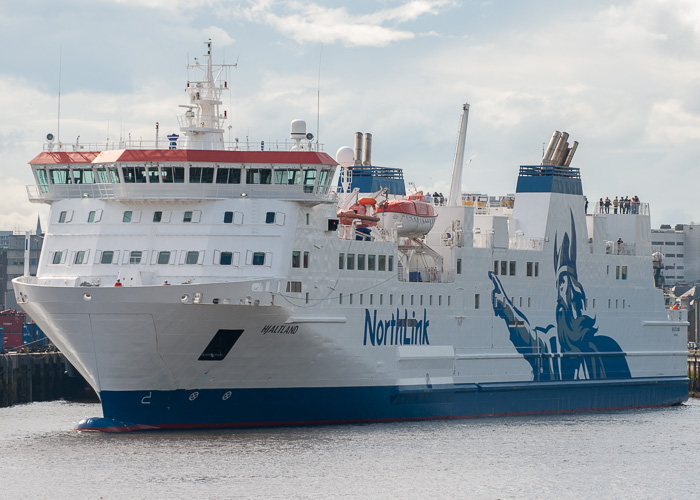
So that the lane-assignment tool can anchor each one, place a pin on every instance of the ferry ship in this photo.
(248, 294)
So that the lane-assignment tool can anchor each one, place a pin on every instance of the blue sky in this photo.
(621, 77)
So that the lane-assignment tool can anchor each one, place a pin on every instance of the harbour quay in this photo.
(45, 376)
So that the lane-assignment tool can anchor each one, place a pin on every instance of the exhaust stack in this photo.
(358, 149)
(367, 153)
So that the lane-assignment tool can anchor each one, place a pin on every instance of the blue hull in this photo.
(213, 408)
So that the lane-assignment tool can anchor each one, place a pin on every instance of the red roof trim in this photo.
(189, 155)
(60, 157)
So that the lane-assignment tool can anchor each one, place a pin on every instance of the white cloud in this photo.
(310, 22)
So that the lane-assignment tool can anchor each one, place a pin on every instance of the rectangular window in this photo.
(537, 269)
(57, 257)
(157, 216)
(226, 258)
(351, 262)
(127, 216)
(381, 262)
(624, 272)
(296, 258)
(91, 216)
(593, 303)
(306, 260)
(79, 257)
(259, 258)
(617, 272)
(390, 263)
(270, 218)
(135, 257)
(163, 258)
(341, 260)
(459, 266)
(371, 262)
(294, 286)
(495, 267)
(228, 217)
(187, 217)
(528, 269)
(512, 268)
(476, 301)
(192, 257)
(107, 257)
(504, 268)
(360, 262)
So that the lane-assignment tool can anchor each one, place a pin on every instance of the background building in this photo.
(680, 246)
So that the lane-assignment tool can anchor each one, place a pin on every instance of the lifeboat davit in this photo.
(361, 211)
(411, 218)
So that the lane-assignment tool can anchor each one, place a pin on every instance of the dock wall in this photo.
(28, 377)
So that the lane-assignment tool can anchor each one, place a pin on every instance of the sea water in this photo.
(649, 453)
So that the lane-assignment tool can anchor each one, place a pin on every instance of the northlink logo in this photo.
(397, 330)
(571, 349)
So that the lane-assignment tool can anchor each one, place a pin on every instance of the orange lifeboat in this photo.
(411, 218)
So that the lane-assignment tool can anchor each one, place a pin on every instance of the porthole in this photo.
(185, 299)
(87, 297)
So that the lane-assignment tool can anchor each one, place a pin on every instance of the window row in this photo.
(162, 257)
(362, 262)
(133, 216)
(403, 300)
(308, 177)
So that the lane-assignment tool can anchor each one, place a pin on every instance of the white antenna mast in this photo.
(60, 65)
(318, 100)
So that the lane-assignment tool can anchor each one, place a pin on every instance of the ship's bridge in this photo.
(181, 174)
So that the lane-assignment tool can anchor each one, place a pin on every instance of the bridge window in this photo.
(504, 268)
(351, 262)
(187, 217)
(192, 257)
(259, 258)
(127, 216)
(203, 175)
(62, 216)
(107, 257)
(287, 176)
(495, 267)
(341, 260)
(309, 180)
(153, 175)
(60, 176)
(228, 175)
(270, 218)
(134, 174)
(360, 262)
(296, 258)
(258, 176)
(173, 174)
(157, 216)
(512, 268)
(390, 263)
(381, 263)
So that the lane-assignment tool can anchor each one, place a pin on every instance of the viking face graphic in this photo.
(570, 347)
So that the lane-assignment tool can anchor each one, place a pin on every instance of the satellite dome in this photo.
(345, 156)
